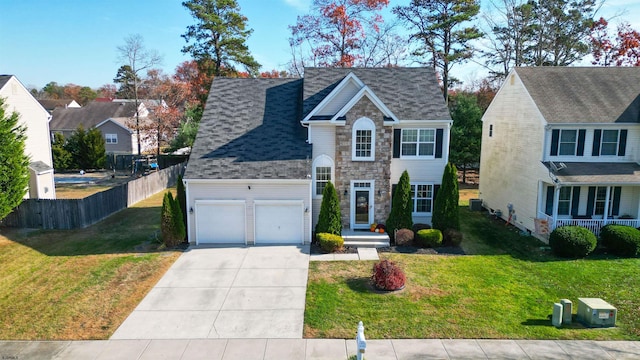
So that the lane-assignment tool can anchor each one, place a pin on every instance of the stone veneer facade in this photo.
(378, 170)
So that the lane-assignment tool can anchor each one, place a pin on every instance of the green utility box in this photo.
(595, 312)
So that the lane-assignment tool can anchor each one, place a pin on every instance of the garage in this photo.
(279, 221)
(220, 221)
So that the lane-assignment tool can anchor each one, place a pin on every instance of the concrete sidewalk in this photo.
(225, 292)
(316, 349)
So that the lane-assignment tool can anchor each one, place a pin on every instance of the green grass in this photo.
(79, 284)
(505, 290)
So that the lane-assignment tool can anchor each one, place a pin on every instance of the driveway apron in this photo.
(225, 293)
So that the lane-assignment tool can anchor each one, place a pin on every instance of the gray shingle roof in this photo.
(599, 173)
(251, 129)
(90, 115)
(51, 104)
(4, 79)
(584, 94)
(410, 93)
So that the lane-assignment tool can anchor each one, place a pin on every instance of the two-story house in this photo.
(560, 146)
(266, 149)
(35, 119)
(115, 119)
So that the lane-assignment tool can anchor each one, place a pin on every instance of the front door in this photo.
(361, 204)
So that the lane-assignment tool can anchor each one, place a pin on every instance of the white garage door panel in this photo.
(279, 222)
(220, 223)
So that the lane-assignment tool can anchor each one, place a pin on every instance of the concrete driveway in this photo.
(225, 292)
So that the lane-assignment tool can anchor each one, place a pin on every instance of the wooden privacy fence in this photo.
(79, 213)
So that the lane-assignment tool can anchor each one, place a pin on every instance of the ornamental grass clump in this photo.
(330, 242)
(572, 241)
(388, 276)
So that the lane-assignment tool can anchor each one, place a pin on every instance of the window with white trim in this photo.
(422, 197)
(322, 174)
(568, 142)
(418, 143)
(609, 142)
(111, 138)
(363, 140)
(564, 200)
(601, 200)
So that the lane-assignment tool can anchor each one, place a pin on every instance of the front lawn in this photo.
(79, 284)
(505, 290)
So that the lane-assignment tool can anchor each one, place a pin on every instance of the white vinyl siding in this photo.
(340, 100)
(323, 138)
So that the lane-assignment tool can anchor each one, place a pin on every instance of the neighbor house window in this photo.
(111, 138)
(422, 197)
(363, 140)
(418, 142)
(601, 200)
(609, 142)
(564, 201)
(322, 174)
(568, 142)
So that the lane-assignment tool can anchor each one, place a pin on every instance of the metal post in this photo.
(361, 342)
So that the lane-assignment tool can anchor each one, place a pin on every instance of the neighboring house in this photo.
(266, 148)
(37, 144)
(560, 146)
(115, 120)
(52, 104)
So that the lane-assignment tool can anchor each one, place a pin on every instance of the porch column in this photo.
(556, 198)
(606, 205)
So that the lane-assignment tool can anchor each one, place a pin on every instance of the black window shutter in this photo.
(616, 200)
(397, 133)
(555, 140)
(575, 200)
(581, 135)
(549, 205)
(591, 197)
(436, 188)
(596, 143)
(622, 145)
(393, 191)
(439, 139)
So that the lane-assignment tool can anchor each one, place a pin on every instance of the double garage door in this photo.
(227, 221)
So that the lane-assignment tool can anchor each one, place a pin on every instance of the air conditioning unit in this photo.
(595, 312)
(475, 204)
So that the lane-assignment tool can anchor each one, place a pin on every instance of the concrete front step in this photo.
(365, 239)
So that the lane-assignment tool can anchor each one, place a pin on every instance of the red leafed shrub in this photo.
(388, 276)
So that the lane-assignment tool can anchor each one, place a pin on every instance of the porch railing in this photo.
(592, 224)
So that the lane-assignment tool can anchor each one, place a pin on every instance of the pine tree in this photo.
(330, 217)
(445, 212)
(14, 164)
(400, 216)
(166, 220)
(181, 197)
(179, 232)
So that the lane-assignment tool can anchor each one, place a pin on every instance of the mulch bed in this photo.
(445, 250)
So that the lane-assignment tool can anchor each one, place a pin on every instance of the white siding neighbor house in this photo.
(560, 146)
(37, 144)
(266, 148)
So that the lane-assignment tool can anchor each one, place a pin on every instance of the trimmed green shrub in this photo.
(179, 230)
(621, 240)
(453, 237)
(330, 217)
(181, 197)
(572, 241)
(388, 276)
(430, 238)
(401, 207)
(445, 209)
(329, 242)
(404, 237)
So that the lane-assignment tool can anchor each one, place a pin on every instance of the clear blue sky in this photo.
(74, 41)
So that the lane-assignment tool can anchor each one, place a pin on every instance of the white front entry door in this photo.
(362, 204)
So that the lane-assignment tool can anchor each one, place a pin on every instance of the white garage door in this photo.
(279, 222)
(220, 222)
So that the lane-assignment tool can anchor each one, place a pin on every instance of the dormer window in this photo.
(363, 140)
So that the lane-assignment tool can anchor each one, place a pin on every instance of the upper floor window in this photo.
(568, 141)
(422, 197)
(418, 142)
(609, 142)
(322, 174)
(111, 138)
(363, 140)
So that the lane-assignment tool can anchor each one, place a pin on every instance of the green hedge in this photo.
(621, 240)
(429, 237)
(572, 241)
(329, 242)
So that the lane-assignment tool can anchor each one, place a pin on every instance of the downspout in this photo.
(556, 198)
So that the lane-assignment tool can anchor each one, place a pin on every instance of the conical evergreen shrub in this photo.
(445, 212)
(400, 216)
(330, 217)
